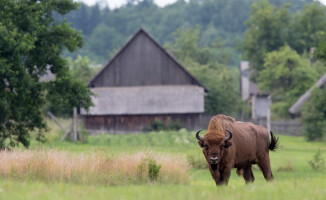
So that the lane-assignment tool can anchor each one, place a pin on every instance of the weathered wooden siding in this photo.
(146, 100)
(142, 62)
(136, 123)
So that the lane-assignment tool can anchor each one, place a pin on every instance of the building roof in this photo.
(179, 99)
(297, 105)
(114, 62)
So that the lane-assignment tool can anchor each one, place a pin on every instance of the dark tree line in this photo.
(105, 29)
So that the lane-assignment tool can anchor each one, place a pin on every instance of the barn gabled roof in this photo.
(119, 52)
(297, 105)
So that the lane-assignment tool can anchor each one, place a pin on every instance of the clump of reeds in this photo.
(286, 168)
(92, 168)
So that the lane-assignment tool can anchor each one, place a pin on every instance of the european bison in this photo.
(231, 144)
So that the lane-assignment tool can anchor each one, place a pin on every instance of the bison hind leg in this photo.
(239, 171)
(265, 166)
(248, 175)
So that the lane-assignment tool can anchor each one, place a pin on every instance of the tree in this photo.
(102, 39)
(31, 43)
(271, 27)
(223, 95)
(286, 76)
(267, 31)
(308, 29)
(314, 115)
(82, 69)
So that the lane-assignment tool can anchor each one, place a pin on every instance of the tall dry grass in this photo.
(92, 168)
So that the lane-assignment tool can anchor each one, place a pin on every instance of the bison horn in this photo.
(227, 138)
(198, 136)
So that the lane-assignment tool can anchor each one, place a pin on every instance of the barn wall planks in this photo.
(136, 123)
(142, 63)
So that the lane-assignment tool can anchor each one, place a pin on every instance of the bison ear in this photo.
(227, 144)
(201, 143)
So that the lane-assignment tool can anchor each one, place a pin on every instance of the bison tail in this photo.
(274, 142)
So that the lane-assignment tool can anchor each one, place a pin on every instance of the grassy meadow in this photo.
(112, 167)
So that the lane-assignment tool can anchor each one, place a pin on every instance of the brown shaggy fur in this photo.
(249, 145)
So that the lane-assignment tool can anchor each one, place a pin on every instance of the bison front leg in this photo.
(225, 175)
(217, 177)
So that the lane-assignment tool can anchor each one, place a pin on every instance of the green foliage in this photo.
(267, 31)
(82, 69)
(223, 95)
(107, 29)
(31, 43)
(271, 27)
(159, 125)
(309, 28)
(286, 76)
(197, 161)
(314, 115)
(148, 165)
(317, 163)
(153, 170)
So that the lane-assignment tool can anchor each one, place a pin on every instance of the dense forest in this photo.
(105, 29)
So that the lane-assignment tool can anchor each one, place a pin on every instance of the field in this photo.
(294, 177)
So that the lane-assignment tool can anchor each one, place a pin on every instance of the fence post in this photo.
(268, 121)
(74, 132)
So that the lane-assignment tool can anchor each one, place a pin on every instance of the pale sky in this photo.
(118, 3)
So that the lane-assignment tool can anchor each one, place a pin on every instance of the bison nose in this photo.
(214, 160)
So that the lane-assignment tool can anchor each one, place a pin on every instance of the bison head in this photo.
(213, 144)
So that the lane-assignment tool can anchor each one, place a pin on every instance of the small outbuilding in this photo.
(260, 101)
(140, 84)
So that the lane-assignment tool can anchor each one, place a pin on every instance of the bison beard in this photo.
(214, 167)
(231, 144)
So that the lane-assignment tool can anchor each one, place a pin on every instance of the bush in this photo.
(317, 163)
(149, 165)
(197, 162)
(159, 125)
(314, 115)
(153, 169)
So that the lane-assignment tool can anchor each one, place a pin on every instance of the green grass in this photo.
(294, 153)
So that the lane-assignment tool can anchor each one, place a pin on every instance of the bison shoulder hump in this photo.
(225, 118)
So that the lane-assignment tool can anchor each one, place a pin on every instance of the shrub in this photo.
(148, 166)
(314, 115)
(197, 162)
(286, 168)
(159, 125)
(153, 169)
(317, 163)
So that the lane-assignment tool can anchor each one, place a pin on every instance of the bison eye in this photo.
(222, 146)
(206, 147)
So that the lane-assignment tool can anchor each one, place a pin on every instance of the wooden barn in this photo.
(141, 83)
